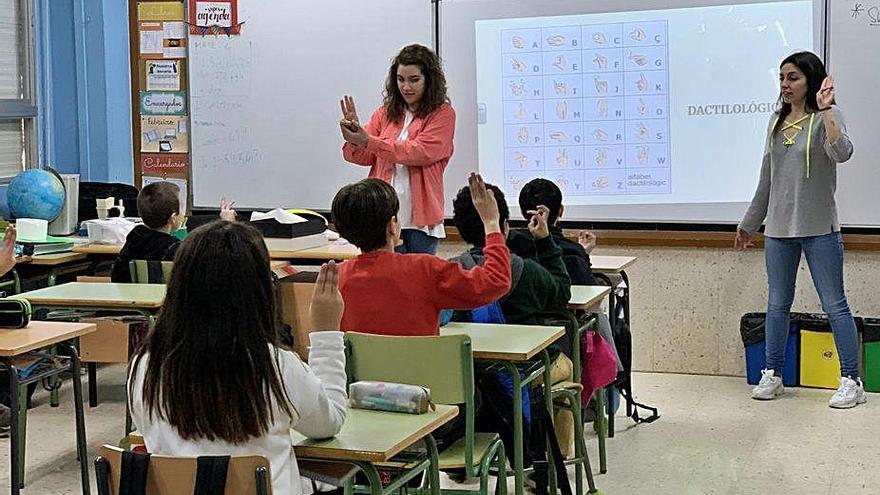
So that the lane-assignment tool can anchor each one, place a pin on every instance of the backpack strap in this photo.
(544, 424)
(211, 474)
(133, 478)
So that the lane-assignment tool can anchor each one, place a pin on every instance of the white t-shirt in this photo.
(400, 182)
(317, 391)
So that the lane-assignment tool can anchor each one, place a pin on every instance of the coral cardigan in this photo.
(426, 152)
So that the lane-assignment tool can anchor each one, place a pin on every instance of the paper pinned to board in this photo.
(279, 214)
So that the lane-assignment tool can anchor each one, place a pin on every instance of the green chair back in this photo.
(150, 272)
(443, 364)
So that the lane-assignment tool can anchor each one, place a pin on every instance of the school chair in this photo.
(12, 285)
(567, 395)
(150, 272)
(445, 366)
(119, 472)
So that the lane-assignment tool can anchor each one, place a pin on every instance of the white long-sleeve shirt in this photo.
(319, 398)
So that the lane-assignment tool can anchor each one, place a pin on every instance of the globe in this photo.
(35, 194)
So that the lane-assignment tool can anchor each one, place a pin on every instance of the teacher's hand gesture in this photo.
(743, 240)
(349, 112)
(825, 96)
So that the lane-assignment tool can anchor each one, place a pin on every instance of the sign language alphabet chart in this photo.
(587, 107)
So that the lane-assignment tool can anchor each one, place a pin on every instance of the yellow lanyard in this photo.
(789, 141)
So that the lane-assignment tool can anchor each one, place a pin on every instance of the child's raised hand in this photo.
(226, 211)
(7, 250)
(587, 240)
(538, 223)
(325, 310)
(485, 203)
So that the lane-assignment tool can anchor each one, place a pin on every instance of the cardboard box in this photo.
(109, 343)
(295, 294)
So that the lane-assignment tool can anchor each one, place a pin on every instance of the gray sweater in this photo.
(794, 202)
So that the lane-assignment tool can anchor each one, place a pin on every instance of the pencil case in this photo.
(14, 313)
(392, 397)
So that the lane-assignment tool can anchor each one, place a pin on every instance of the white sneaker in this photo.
(769, 387)
(850, 394)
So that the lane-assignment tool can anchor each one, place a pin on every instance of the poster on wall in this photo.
(162, 39)
(214, 17)
(163, 103)
(163, 75)
(164, 134)
(180, 183)
(172, 163)
(160, 11)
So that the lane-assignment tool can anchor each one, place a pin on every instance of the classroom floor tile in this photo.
(712, 439)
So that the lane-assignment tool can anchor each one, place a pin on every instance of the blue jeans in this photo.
(824, 255)
(416, 241)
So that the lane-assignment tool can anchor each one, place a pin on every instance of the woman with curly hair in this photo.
(407, 143)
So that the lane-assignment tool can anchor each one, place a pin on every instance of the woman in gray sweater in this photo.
(806, 139)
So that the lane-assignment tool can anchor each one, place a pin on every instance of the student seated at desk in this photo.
(576, 255)
(159, 207)
(540, 287)
(393, 294)
(211, 378)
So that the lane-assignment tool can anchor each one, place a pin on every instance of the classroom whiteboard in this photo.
(854, 41)
(265, 104)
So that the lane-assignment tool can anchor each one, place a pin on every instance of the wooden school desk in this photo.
(15, 342)
(513, 349)
(586, 299)
(57, 264)
(603, 267)
(145, 299)
(371, 437)
(330, 251)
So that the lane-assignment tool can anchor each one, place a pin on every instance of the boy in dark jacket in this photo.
(159, 208)
(576, 255)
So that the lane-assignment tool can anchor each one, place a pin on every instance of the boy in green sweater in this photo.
(540, 287)
(539, 290)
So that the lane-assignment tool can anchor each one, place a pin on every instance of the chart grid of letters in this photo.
(587, 107)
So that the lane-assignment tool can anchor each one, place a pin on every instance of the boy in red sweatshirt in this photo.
(395, 294)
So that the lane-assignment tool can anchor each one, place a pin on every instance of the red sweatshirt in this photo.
(402, 294)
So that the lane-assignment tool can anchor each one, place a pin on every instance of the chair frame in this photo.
(262, 479)
(494, 455)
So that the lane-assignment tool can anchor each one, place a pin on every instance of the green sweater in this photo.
(540, 289)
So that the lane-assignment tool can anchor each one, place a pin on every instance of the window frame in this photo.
(26, 109)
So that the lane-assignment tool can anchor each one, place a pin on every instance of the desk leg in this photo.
(93, 384)
(372, 475)
(601, 427)
(81, 452)
(54, 382)
(16, 427)
(434, 468)
(548, 404)
(518, 475)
